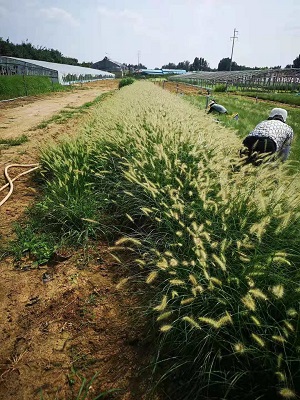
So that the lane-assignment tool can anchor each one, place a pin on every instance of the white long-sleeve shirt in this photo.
(281, 133)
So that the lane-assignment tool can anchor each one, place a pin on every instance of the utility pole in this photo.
(139, 54)
(233, 39)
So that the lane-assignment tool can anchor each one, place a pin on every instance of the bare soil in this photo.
(74, 323)
(182, 88)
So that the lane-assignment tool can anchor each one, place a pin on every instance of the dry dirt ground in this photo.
(177, 87)
(57, 332)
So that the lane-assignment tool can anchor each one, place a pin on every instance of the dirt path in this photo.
(57, 331)
(15, 121)
(21, 117)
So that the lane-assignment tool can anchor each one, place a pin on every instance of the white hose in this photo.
(10, 181)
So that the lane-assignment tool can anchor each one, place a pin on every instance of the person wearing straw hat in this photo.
(271, 136)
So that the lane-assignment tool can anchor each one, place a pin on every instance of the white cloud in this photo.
(293, 29)
(136, 21)
(121, 14)
(59, 15)
(3, 11)
(31, 3)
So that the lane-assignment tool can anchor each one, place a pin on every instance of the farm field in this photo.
(56, 333)
(18, 86)
(167, 261)
(250, 113)
(286, 98)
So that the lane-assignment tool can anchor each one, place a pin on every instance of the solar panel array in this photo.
(288, 77)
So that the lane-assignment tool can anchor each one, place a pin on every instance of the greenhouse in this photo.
(61, 73)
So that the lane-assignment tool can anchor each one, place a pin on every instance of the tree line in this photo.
(134, 67)
(200, 64)
(28, 51)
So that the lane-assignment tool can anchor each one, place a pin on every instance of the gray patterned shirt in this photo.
(217, 107)
(281, 133)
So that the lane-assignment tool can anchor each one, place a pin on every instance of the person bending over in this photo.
(214, 107)
(272, 136)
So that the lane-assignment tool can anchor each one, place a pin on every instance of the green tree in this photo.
(6, 48)
(196, 64)
(296, 62)
(169, 66)
(87, 64)
(184, 65)
(28, 51)
(224, 64)
(204, 66)
(199, 64)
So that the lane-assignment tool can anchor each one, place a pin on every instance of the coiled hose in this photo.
(10, 181)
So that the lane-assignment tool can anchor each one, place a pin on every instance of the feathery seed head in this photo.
(166, 328)
(278, 291)
(163, 316)
(239, 348)
(287, 393)
(249, 302)
(151, 277)
(258, 340)
(188, 300)
(192, 322)
(162, 305)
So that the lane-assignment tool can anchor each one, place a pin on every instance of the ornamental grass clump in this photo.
(218, 243)
(69, 205)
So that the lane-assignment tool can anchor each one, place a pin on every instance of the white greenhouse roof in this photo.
(65, 69)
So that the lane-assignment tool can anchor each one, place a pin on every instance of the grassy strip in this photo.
(71, 112)
(286, 98)
(18, 86)
(219, 243)
(14, 142)
(250, 114)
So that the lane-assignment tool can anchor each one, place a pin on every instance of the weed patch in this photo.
(125, 82)
(15, 141)
(32, 246)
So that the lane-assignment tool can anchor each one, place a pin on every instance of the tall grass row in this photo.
(219, 242)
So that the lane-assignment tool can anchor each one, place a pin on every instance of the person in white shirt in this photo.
(272, 136)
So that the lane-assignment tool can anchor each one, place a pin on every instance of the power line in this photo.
(233, 39)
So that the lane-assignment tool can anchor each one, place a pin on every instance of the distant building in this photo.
(111, 66)
(162, 71)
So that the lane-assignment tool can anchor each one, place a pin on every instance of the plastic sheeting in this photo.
(63, 73)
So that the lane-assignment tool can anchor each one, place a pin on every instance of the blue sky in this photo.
(163, 31)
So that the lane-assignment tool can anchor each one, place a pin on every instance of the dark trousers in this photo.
(256, 146)
(260, 144)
